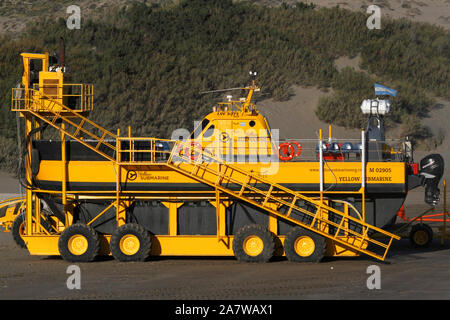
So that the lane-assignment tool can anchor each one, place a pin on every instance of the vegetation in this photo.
(149, 63)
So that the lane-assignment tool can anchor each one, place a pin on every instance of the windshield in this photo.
(197, 131)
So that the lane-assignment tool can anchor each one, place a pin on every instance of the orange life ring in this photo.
(288, 151)
(188, 149)
(299, 147)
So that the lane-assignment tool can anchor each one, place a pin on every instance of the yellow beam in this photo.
(173, 216)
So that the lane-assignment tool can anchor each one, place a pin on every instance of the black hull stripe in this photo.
(108, 186)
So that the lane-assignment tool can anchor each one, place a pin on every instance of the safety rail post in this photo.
(291, 206)
(363, 159)
(244, 185)
(341, 224)
(153, 150)
(218, 212)
(132, 150)
(444, 226)
(266, 198)
(118, 150)
(363, 173)
(321, 164)
(64, 173)
(29, 193)
(82, 98)
(120, 217)
(319, 210)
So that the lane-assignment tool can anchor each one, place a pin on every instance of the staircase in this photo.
(71, 123)
(317, 216)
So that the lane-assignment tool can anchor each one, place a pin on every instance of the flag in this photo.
(382, 90)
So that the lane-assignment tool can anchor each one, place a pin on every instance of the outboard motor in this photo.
(432, 169)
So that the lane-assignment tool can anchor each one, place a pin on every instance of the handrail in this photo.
(34, 99)
(262, 180)
(225, 174)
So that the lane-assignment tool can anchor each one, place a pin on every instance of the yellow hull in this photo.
(387, 177)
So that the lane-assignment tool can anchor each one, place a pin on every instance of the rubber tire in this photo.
(89, 233)
(15, 230)
(320, 244)
(258, 230)
(421, 228)
(145, 242)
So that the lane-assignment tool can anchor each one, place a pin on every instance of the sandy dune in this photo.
(296, 118)
(14, 15)
(436, 12)
(429, 11)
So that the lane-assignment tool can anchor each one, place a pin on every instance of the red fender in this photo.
(288, 151)
(189, 151)
(299, 147)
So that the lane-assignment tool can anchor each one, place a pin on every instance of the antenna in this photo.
(62, 53)
(220, 90)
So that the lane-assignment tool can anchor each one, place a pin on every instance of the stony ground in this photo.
(407, 273)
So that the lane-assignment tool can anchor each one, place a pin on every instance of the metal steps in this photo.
(260, 192)
(74, 125)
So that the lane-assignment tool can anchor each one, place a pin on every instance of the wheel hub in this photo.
(253, 245)
(129, 244)
(78, 244)
(421, 237)
(304, 246)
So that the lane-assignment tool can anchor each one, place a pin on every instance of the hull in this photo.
(87, 173)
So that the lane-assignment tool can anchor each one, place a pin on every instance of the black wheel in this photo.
(421, 235)
(302, 245)
(79, 243)
(254, 243)
(131, 242)
(17, 230)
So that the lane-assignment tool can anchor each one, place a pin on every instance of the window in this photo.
(209, 132)
(197, 131)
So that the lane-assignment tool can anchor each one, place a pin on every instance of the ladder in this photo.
(262, 193)
(73, 124)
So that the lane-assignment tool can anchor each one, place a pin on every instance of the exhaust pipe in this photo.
(62, 53)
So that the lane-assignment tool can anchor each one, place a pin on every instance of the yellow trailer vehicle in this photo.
(230, 188)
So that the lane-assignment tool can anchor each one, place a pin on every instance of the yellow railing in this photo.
(77, 97)
(143, 150)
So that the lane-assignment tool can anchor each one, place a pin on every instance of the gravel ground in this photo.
(407, 273)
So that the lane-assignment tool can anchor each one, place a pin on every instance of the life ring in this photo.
(299, 147)
(288, 151)
(188, 150)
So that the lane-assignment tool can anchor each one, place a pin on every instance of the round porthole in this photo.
(251, 123)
